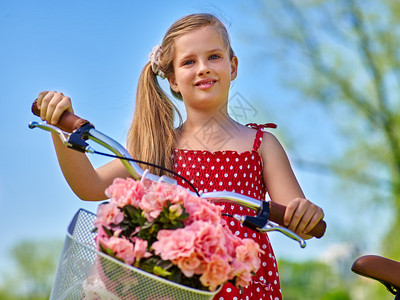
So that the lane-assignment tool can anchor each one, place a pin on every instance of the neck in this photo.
(196, 120)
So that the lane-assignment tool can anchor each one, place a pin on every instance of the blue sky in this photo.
(93, 51)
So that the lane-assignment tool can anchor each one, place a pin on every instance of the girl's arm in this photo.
(86, 182)
(301, 214)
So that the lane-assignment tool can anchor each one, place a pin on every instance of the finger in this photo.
(39, 99)
(300, 212)
(289, 212)
(52, 106)
(306, 218)
(62, 106)
(318, 216)
(55, 100)
(44, 104)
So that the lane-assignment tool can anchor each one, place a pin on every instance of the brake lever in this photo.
(273, 227)
(75, 140)
(262, 224)
(252, 222)
(53, 129)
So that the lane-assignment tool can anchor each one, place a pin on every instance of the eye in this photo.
(214, 56)
(187, 62)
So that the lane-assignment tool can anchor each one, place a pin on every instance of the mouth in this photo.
(206, 83)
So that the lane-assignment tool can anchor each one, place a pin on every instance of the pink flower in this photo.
(140, 249)
(205, 246)
(107, 215)
(125, 192)
(216, 273)
(248, 254)
(201, 210)
(180, 195)
(168, 191)
(191, 265)
(121, 247)
(155, 198)
(173, 244)
(242, 272)
(232, 241)
(152, 205)
(101, 236)
(209, 240)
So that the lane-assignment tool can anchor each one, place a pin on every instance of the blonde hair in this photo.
(152, 136)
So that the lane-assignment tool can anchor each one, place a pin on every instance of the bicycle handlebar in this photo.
(276, 211)
(70, 123)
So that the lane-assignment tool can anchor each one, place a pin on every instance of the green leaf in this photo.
(159, 271)
(134, 215)
(107, 231)
(183, 216)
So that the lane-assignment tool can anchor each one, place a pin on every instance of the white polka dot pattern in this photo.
(220, 177)
(241, 173)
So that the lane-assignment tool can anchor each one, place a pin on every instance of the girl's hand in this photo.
(301, 216)
(52, 105)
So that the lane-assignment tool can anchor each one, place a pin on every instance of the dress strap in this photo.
(259, 134)
(260, 126)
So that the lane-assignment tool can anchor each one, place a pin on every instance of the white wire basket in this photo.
(85, 273)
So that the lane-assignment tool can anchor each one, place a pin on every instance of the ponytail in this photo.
(151, 137)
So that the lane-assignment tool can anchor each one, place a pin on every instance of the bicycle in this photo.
(79, 256)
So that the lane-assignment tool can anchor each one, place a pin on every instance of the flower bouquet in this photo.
(166, 231)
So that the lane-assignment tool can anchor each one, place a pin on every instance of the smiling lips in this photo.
(206, 83)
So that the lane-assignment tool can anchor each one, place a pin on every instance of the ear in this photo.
(234, 67)
(173, 84)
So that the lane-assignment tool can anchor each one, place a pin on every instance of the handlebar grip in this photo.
(68, 121)
(277, 212)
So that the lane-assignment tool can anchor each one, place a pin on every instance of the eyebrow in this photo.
(208, 51)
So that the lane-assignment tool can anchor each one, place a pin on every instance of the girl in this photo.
(210, 148)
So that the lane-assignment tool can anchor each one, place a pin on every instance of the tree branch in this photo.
(312, 51)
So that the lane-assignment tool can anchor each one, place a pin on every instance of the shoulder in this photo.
(269, 139)
(271, 149)
(240, 138)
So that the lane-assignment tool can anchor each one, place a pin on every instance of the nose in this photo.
(203, 68)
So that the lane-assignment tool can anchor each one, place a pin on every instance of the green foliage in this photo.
(134, 218)
(319, 281)
(343, 55)
(392, 242)
(35, 264)
(311, 280)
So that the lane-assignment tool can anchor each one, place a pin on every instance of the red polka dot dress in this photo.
(240, 173)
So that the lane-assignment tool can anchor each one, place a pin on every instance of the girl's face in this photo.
(203, 69)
